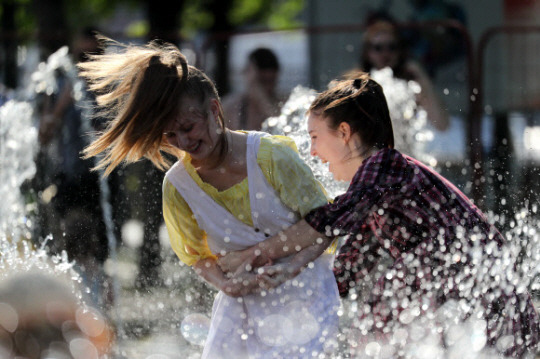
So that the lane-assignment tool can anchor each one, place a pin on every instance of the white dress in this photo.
(296, 320)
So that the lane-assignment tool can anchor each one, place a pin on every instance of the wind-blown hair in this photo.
(360, 102)
(139, 89)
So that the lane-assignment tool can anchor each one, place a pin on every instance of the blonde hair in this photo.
(139, 88)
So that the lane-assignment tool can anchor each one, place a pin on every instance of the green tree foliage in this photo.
(242, 14)
(80, 13)
(22, 17)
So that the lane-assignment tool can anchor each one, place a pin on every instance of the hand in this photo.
(415, 70)
(243, 281)
(273, 276)
(231, 262)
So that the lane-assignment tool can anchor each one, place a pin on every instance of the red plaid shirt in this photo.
(397, 205)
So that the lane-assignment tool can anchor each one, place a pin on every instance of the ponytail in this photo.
(360, 102)
(138, 88)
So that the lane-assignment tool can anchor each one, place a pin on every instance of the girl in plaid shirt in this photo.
(445, 263)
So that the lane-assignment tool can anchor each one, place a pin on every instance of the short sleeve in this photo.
(187, 239)
(290, 176)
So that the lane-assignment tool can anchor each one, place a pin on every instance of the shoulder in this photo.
(277, 147)
(169, 190)
(172, 178)
(387, 167)
(279, 143)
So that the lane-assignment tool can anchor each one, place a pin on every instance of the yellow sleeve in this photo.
(187, 239)
(290, 176)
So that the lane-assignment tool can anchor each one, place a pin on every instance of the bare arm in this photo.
(242, 283)
(288, 242)
(274, 275)
(428, 98)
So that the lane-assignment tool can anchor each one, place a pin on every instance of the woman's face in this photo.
(383, 50)
(196, 129)
(328, 144)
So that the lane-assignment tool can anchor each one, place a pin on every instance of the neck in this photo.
(219, 154)
(358, 155)
(359, 152)
(225, 155)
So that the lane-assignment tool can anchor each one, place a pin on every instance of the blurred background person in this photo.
(259, 100)
(72, 210)
(383, 48)
(41, 317)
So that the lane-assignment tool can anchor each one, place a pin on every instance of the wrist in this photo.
(260, 256)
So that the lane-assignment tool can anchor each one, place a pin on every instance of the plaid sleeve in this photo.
(355, 261)
(346, 214)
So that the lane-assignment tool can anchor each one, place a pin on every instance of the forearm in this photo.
(286, 243)
(430, 101)
(242, 283)
(292, 240)
(208, 270)
(303, 258)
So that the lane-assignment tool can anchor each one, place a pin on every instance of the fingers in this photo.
(272, 270)
(267, 282)
(229, 262)
(246, 266)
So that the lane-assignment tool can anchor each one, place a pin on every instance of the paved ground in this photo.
(149, 321)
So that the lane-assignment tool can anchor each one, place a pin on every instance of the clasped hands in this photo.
(250, 271)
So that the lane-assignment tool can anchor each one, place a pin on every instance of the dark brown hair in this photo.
(264, 59)
(360, 102)
(139, 88)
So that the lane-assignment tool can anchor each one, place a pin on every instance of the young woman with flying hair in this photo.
(228, 191)
(447, 261)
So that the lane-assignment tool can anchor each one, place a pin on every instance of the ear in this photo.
(214, 107)
(344, 131)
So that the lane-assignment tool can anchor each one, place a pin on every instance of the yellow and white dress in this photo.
(295, 319)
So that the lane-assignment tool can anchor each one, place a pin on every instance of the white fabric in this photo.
(293, 321)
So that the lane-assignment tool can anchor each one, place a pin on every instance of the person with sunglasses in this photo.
(382, 47)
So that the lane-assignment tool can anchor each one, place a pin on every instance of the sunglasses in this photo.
(390, 46)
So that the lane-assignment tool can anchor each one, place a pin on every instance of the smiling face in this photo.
(330, 146)
(196, 129)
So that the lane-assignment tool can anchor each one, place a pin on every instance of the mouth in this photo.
(193, 148)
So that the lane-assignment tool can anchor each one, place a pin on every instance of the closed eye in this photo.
(186, 129)
(169, 134)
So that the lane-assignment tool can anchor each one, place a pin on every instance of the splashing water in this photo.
(195, 327)
(455, 330)
(18, 149)
(516, 266)
(292, 123)
(409, 121)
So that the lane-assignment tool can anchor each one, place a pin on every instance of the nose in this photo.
(178, 140)
(312, 150)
